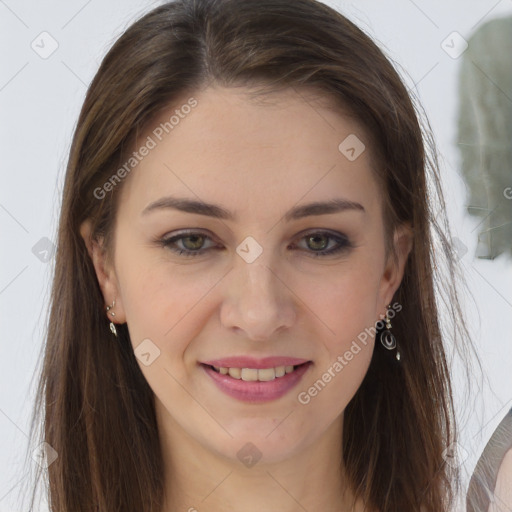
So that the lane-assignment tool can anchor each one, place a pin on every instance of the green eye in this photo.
(191, 243)
(319, 242)
(196, 242)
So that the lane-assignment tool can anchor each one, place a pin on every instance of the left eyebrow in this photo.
(323, 208)
(212, 210)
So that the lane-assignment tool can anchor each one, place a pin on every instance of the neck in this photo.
(198, 479)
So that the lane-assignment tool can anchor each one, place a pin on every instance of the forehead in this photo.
(252, 152)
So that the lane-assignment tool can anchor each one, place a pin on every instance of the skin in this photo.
(258, 161)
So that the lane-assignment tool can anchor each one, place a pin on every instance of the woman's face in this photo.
(262, 279)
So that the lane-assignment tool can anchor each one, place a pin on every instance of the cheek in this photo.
(345, 303)
(346, 307)
(343, 299)
(162, 302)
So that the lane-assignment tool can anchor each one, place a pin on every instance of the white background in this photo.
(39, 104)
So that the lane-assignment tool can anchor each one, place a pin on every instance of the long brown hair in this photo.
(99, 412)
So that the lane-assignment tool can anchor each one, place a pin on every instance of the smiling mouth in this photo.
(256, 374)
(256, 385)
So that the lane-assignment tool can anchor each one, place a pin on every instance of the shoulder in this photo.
(502, 496)
(490, 483)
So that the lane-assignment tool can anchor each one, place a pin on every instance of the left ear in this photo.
(394, 269)
(105, 274)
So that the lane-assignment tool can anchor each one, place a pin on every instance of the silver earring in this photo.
(386, 336)
(112, 314)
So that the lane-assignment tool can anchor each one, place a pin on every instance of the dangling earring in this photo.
(386, 336)
(112, 325)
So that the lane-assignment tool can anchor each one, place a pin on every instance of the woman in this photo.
(490, 485)
(243, 313)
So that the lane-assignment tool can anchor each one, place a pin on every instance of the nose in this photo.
(257, 302)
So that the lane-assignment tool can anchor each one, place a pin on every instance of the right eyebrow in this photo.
(212, 210)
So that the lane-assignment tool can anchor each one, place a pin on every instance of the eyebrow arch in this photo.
(212, 210)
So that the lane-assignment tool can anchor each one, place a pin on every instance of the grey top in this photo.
(483, 482)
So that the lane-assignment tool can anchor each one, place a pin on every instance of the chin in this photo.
(265, 445)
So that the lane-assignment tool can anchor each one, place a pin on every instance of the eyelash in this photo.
(342, 240)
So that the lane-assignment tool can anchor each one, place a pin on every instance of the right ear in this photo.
(105, 274)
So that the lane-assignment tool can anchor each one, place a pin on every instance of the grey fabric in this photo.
(485, 134)
(483, 481)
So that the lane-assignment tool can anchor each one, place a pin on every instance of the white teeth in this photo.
(224, 371)
(280, 371)
(254, 374)
(236, 373)
(249, 374)
(267, 374)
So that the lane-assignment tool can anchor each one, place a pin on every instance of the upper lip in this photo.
(252, 362)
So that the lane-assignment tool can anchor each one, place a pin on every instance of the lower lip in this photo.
(257, 391)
